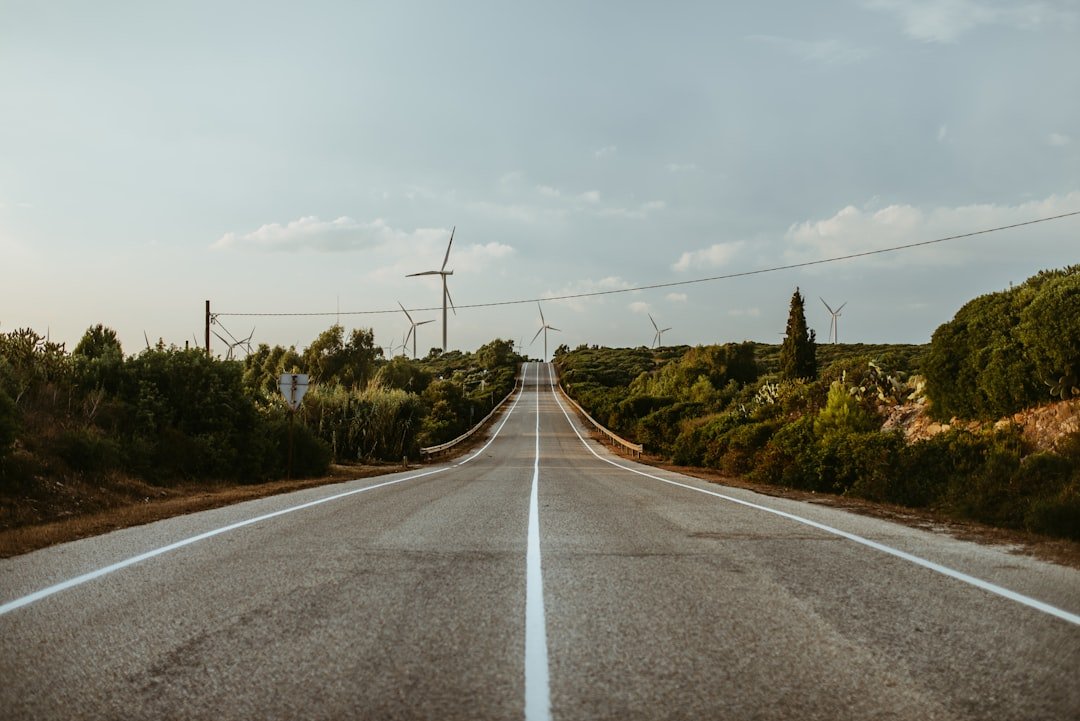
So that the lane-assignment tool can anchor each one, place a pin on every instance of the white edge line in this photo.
(119, 565)
(537, 681)
(937, 567)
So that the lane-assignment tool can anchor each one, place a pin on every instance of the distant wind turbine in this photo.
(445, 291)
(544, 328)
(412, 328)
(833, 324)
(658, 339)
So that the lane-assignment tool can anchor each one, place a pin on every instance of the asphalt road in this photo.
(539, 577)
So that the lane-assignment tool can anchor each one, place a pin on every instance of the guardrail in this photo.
(634, 448)
(432, 451)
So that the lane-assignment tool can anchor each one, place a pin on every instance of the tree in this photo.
(97, 342)
(798, 354)
(99, 359)
(330, 358)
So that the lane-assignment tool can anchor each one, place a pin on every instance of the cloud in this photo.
(590, 196)
(714, 256)
(942, 131)
(681, 167)
(639, 213)
(676, 297)
(853, 230)
(944, 21)
(825, 52)
(311, 233)
(639, 307)
(605, 151)
(548, 192)
(1059, 140)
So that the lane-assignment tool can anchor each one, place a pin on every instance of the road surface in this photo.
(538, 577)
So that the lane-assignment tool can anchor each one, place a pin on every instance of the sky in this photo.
(304, 157)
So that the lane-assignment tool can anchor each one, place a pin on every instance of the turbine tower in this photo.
(445, 292)
(833, 325)
(412, 328)
(544, 328)
(658, 339)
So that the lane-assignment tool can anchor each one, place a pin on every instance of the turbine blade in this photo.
(542, 321)
(653, 321)
(537, 335)
(405, 311)
(551, 327)
(447, 291)
(447, 258)
(664, 330)
(825, 304)
(426, 272)
(425, 321)
(841, 308)
(409, 334)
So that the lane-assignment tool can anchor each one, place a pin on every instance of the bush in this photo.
(8, 422)
(311, 455)
(743, 443)
(88, 450)
(791, 457)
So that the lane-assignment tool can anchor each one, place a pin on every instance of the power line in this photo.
(673, 284)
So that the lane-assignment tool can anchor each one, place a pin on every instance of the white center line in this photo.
(537, 687)
(936, 567)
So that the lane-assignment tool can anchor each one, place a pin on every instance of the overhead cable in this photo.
(673, 284)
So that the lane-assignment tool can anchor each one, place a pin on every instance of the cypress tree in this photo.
(798, 354)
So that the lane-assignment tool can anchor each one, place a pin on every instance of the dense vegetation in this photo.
(754, 409)
(169, 415)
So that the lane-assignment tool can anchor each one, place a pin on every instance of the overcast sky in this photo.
(304, 156)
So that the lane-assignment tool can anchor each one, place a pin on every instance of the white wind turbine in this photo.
(445, 292)
(658, 339)
(833, 324)
(544, 328)
(412, 328)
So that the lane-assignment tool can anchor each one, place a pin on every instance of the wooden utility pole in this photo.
(207, 329)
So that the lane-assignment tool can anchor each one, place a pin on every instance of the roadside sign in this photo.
(293, 386)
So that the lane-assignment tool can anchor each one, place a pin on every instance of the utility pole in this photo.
(207, 329)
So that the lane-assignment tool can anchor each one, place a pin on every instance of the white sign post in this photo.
(293, 386)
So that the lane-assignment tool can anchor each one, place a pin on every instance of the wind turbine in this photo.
(833, 325)
(445, 292)
(544, 328)
(658, 339)
(412, 328)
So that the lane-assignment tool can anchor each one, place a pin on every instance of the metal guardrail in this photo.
(436, 450)
(634, 448)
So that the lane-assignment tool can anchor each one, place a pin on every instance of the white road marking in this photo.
(87, 577)
(936, 567)
(537, 684)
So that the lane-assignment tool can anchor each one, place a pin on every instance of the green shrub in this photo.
(842, 414)
(1057, 515)
(311, 455)
(742, 445)
(791, 457)
(87, 449)
(8, 422)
